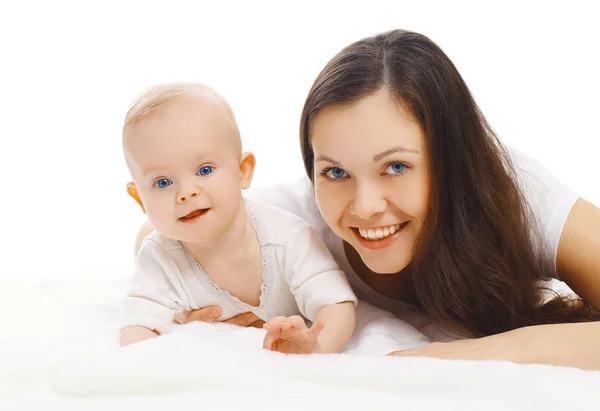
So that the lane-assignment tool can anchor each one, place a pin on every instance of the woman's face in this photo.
(372, 178)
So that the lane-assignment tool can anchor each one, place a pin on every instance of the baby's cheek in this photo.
(226, 192)
(160, 217)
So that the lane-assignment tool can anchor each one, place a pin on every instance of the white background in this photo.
(68, 72)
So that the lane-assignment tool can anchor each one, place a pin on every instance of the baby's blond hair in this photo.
(156, 98)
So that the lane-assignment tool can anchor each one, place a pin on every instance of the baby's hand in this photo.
(291, 336)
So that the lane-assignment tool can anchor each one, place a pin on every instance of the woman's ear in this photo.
(247, 164)
(133, 193)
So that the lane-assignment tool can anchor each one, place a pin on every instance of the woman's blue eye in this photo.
(163, 183)
(205, 170)
(335, 173)
(395, 168)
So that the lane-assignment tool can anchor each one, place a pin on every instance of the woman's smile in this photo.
(378, 237)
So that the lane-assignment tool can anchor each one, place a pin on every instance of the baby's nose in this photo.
(188, 194)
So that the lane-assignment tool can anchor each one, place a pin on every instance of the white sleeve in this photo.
(295, 197)
(312, 274)
(152, 299)
(549, 198)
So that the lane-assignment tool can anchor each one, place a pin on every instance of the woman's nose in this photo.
(368, 202)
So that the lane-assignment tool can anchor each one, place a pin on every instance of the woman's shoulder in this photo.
(295, 196)
(541, 187)
(549, 199)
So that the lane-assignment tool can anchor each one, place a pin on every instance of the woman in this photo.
(420, 203)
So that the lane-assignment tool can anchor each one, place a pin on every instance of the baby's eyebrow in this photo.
(152, 170)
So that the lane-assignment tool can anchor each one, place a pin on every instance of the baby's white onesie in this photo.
(299, 275)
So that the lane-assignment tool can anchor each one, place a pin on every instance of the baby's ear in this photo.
(133, 193)
(247, 165)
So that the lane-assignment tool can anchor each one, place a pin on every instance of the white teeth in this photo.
(378, 233)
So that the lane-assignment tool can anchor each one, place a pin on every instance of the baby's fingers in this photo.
(273, 327)
(274, 323)
(271, 338)
(295, 321)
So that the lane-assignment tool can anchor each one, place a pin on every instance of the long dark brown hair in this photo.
(478, 258)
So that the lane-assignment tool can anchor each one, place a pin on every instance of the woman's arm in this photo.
(578, 254)
(573, 345)
(570, 345)
(210, 314)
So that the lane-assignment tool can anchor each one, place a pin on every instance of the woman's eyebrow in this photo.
(384, 154)
(376, 157)
(325, 158)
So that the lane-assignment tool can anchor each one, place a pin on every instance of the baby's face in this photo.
(185, 162)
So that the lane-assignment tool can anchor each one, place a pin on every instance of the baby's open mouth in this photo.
(194, 215)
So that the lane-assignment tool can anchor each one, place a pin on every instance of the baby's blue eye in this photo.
(395, 168)
(163, 183)
(205, 170)
(336, 173)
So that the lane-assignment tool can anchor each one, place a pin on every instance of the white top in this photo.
(550, 200)
(299, 276)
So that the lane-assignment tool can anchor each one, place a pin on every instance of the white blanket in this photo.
(70, 356)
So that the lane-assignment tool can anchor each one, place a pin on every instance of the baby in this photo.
(212, 246)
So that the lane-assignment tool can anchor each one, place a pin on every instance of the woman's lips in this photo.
(376, 243)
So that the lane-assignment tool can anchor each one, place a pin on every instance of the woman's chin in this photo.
(384, 270)
(383, 265)
(380, 260)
